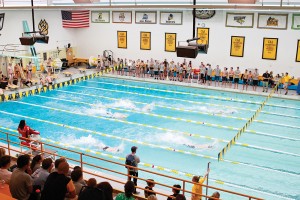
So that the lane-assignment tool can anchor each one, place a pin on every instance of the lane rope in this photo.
(196, 94)
(200, 136)
(158, 146)
(183, 109)
(159, 168)
(182, 100)
(159, 128)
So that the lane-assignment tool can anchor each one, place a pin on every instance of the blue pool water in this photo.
(269, 167)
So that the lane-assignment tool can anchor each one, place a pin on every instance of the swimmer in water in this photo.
(111, 149)
(204, 146)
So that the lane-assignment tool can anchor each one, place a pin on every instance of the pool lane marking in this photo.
(175, 99)
(182, 109)
(161, 97)
(177, 172)
(156, 127)
(194, 94)
(153, 145)
(171, 131)
(175, 118)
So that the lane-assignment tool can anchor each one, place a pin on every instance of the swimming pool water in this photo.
(171, 116)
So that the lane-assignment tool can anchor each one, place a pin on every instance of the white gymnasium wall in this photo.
(100, 36)
(13, 29)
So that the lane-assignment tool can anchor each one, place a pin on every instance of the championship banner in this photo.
(170, 18)
(145, 41)
(270, 48)
(124, 17)
(170, 42)
(145, 17)
(100, 16)
(298, 52)
(203, 34)
(237, 46)
(122, 39)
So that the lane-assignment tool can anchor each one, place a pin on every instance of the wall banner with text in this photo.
(122, 39)
(170, 42)
(145, 17)
(298, 52)
(170, 18)
(203, 34)
(270, 48)
(124, 17)
(100, 16)
(145, 41)
(237, 46)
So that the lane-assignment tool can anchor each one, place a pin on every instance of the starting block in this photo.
(82, 70)
(67, 74)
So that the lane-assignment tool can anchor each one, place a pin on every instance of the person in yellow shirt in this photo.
(286, 80)
(197, 188)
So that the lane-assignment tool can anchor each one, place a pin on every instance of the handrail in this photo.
(82, 164)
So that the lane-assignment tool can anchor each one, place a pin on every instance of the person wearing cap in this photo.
(131, 171)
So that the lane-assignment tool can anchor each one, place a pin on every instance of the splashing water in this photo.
(8, 123)
(128, 104)
(91, 142)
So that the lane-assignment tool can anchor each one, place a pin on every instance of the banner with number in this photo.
(145, 41)
(170, 42)
(122, 39)
(298, 52)
(270, 48)
(203, 35)
(237, 46)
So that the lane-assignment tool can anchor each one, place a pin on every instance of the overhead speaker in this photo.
(27, 40)
(42, 39)
(187, 51)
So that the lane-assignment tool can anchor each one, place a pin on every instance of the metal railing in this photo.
(17, 147)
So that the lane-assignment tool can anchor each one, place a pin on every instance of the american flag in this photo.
(75, 18)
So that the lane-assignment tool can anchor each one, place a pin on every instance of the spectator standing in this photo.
(266, 77)
(197, 188)
(5, 164)
(217, 75)
(21, 182)
(286, 80)
(236, 79)
(133, 160)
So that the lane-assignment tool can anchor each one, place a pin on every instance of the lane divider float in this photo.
(153, 145)
(159, 128)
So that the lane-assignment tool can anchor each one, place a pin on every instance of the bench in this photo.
(67, 74)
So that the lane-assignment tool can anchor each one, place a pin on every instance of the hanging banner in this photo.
(270, 48)
(203, 34)
(100, 16)
(170, 42)
(145, 17)
(122, 39)
(145, 41)
(237, 46)
(124, 17)
(298, 52)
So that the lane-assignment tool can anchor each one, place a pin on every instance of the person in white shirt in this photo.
(5, 164)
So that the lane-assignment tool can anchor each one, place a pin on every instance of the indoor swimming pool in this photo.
(164, 121)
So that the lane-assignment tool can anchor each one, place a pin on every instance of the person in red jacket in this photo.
(25, 132)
